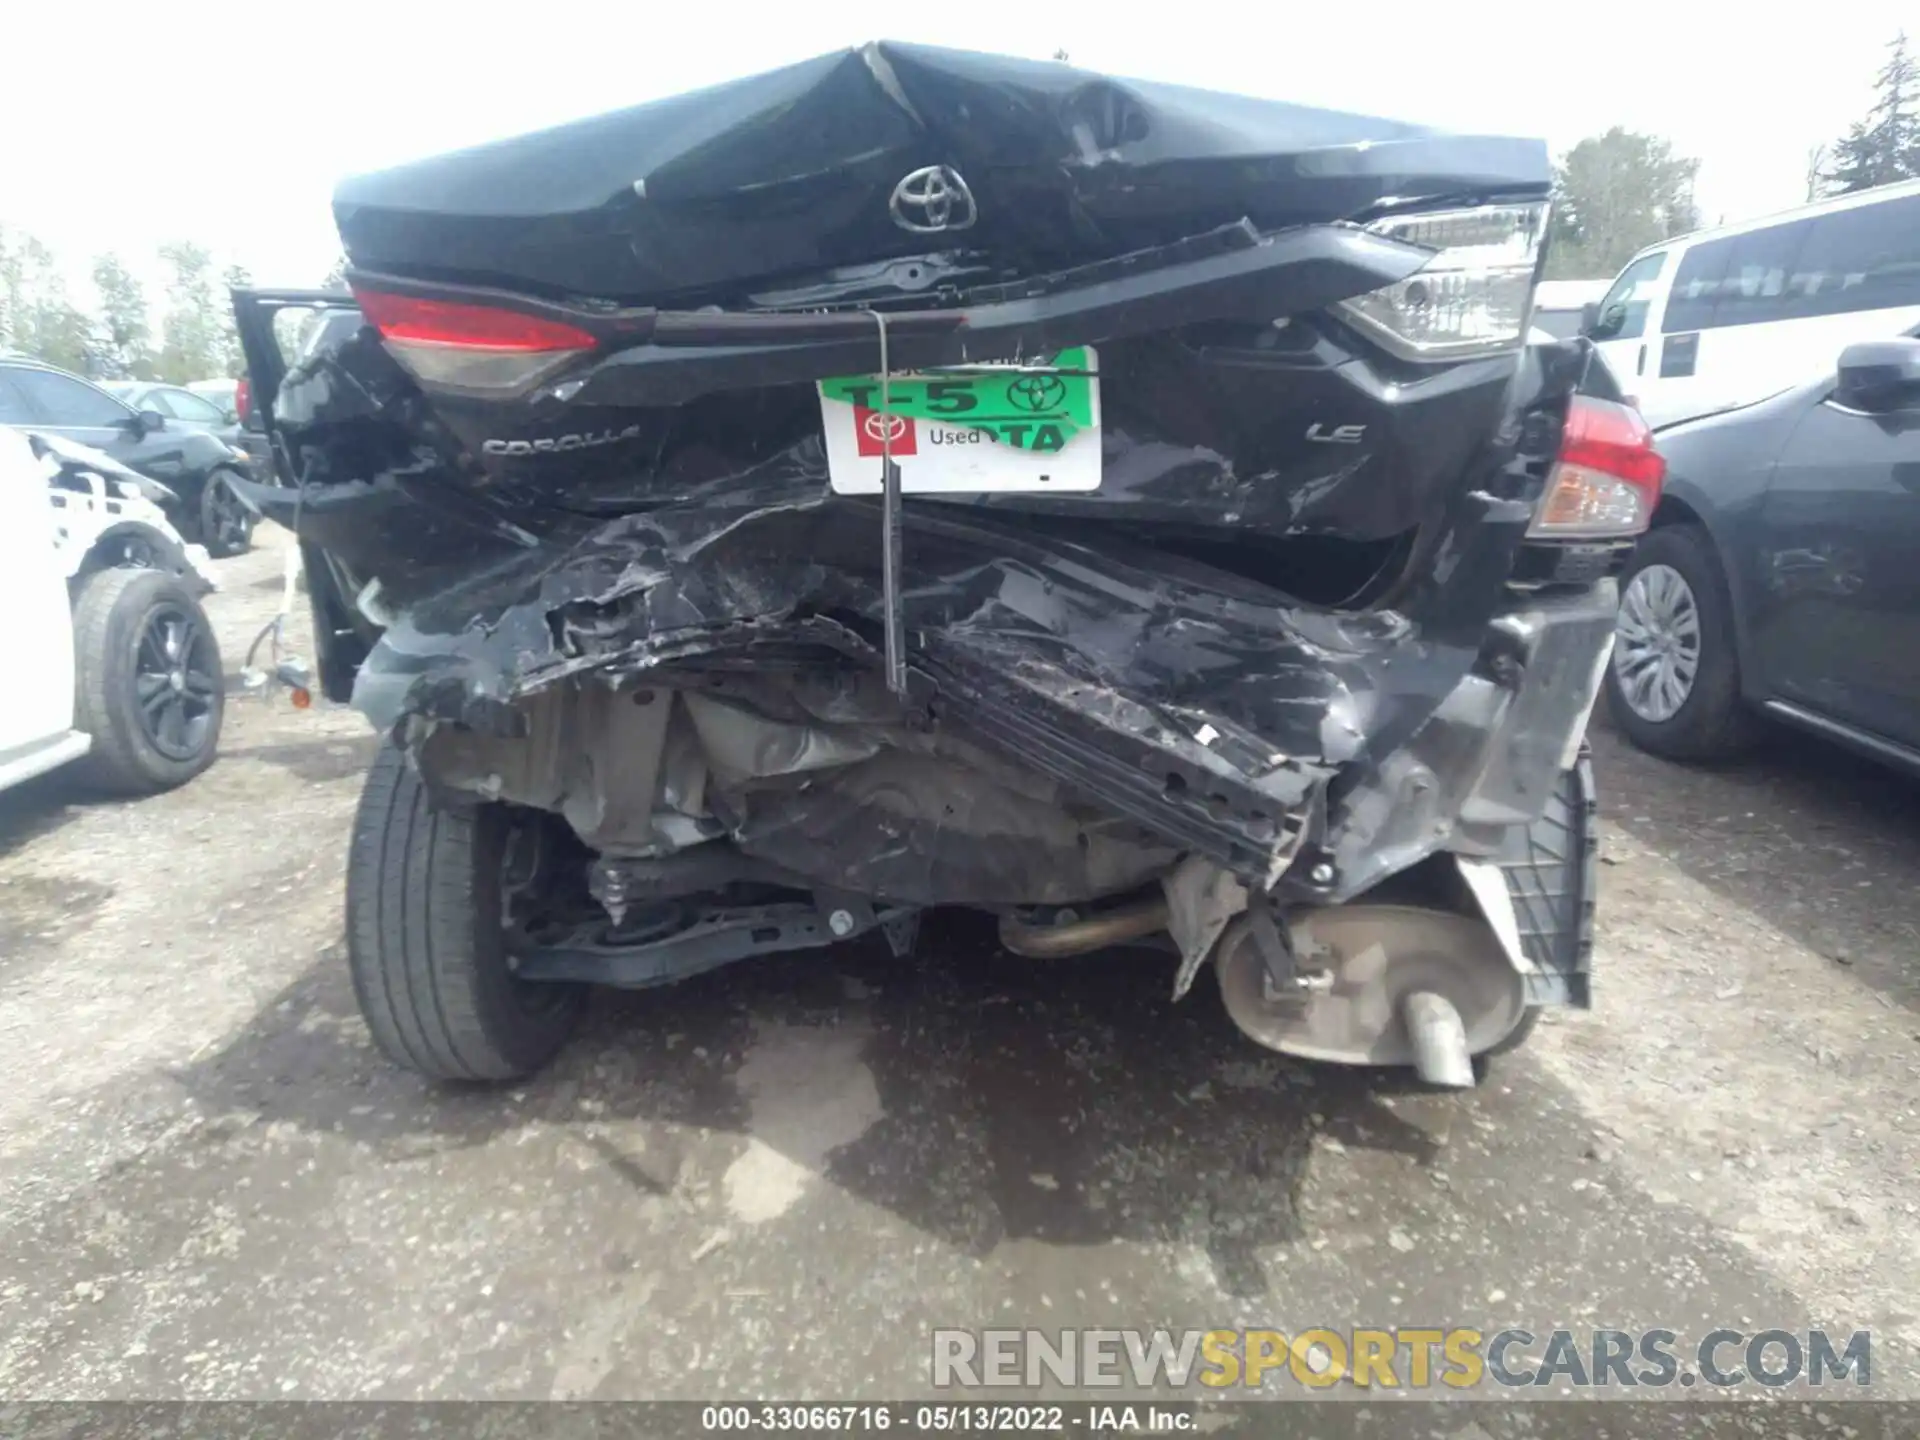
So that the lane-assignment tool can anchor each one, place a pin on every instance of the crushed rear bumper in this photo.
(1250, 734)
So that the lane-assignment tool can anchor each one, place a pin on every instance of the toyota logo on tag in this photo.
(881, 428)
(879, 433)
(931, 199)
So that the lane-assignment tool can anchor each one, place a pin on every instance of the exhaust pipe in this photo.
(1439, 1040)
(1054, 942)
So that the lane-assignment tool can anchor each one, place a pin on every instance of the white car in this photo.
(115, 666)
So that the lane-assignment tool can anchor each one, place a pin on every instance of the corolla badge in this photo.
(931, 199)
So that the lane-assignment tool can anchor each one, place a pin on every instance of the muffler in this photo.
(1394, 985)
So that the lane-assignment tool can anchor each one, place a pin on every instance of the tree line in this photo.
(1617, 193)
(111, 335)
(1614, 194)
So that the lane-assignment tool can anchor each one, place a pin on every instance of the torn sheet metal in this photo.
(1201, 900)
(1082, 665)
(1488, 761)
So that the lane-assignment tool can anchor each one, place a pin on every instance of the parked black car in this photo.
(207, 473)
(1782, 573)
(202, 411)
(913, 479)
(178, 404)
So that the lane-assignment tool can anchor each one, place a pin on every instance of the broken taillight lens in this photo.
(1472, 297)
(456, 345)
(1606, 481)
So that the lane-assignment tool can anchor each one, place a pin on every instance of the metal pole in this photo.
(890, 556)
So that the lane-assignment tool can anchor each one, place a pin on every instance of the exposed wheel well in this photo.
(1672, 510)
(114, 547)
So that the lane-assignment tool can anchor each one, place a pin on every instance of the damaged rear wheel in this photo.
(426, 942)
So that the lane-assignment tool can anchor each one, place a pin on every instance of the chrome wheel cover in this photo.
(1656, 651)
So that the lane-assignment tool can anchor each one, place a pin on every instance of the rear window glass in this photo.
(1754, 289)
(302, 332)
(185, 406)
(1863, 259)
(13, 405)
(63, 400)
(1867, 258)
(1696, 286)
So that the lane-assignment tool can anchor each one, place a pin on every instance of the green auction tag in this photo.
(1028, 409)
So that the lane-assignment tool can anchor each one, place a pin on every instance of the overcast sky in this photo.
(123, 126)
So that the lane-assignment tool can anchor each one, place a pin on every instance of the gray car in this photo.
(1782, 572)
(196, 412)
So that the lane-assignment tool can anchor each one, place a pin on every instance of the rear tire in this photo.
(225, 523)
(425, 942)
(154, 716)
(1713, 721)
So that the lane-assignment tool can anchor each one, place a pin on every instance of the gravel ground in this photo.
(775, 1180)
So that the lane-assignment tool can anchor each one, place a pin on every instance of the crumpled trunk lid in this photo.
(805, 170)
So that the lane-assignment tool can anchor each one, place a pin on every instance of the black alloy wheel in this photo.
(176, 677)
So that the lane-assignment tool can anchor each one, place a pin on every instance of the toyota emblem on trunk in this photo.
(931, 199)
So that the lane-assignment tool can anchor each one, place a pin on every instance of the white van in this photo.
(1725, 317)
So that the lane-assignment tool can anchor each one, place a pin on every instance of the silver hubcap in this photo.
(1656, 651)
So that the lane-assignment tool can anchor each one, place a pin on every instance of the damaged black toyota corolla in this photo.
(913, 478)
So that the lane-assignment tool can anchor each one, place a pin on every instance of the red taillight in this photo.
(1612, 438)
(242, 399)
(1607, 479)
(470, 347)
(412, 320)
